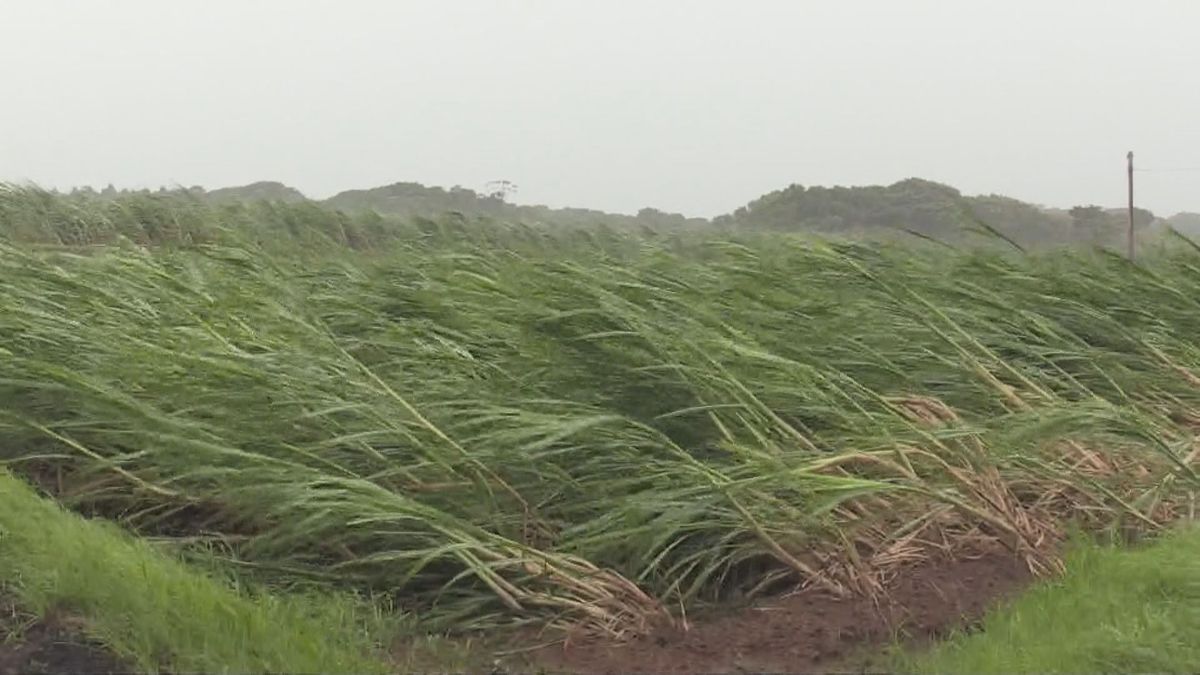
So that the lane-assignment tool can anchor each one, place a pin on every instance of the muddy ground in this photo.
(55, 644)
(806, 631)
(811, 631)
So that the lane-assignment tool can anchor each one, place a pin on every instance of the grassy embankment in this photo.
(156, 613)
(1115, 611)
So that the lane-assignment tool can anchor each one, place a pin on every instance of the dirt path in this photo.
(808, 631)
(811, 631)
(29, 646)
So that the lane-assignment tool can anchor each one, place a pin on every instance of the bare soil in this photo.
(811, 630)
(54, 644)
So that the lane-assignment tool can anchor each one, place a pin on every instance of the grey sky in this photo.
(688, 105)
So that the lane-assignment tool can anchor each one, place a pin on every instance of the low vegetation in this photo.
(1115, 611)
(157, 614)
(493, 424)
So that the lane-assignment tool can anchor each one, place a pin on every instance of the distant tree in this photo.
(1106, 227)
(501, 189)
(916, 206)
(1188, 223)
(652, 218)
(1087, 216)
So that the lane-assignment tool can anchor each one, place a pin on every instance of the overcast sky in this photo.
(694, 106)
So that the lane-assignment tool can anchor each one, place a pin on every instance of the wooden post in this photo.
(1130, 158)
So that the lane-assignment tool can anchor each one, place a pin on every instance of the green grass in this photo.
(1115, 610)
(159, 614)
(505, 424)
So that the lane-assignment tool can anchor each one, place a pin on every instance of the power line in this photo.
(1177, 169)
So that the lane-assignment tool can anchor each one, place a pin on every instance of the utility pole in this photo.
(1130, 158)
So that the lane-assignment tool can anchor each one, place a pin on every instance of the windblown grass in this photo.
(497, 423)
